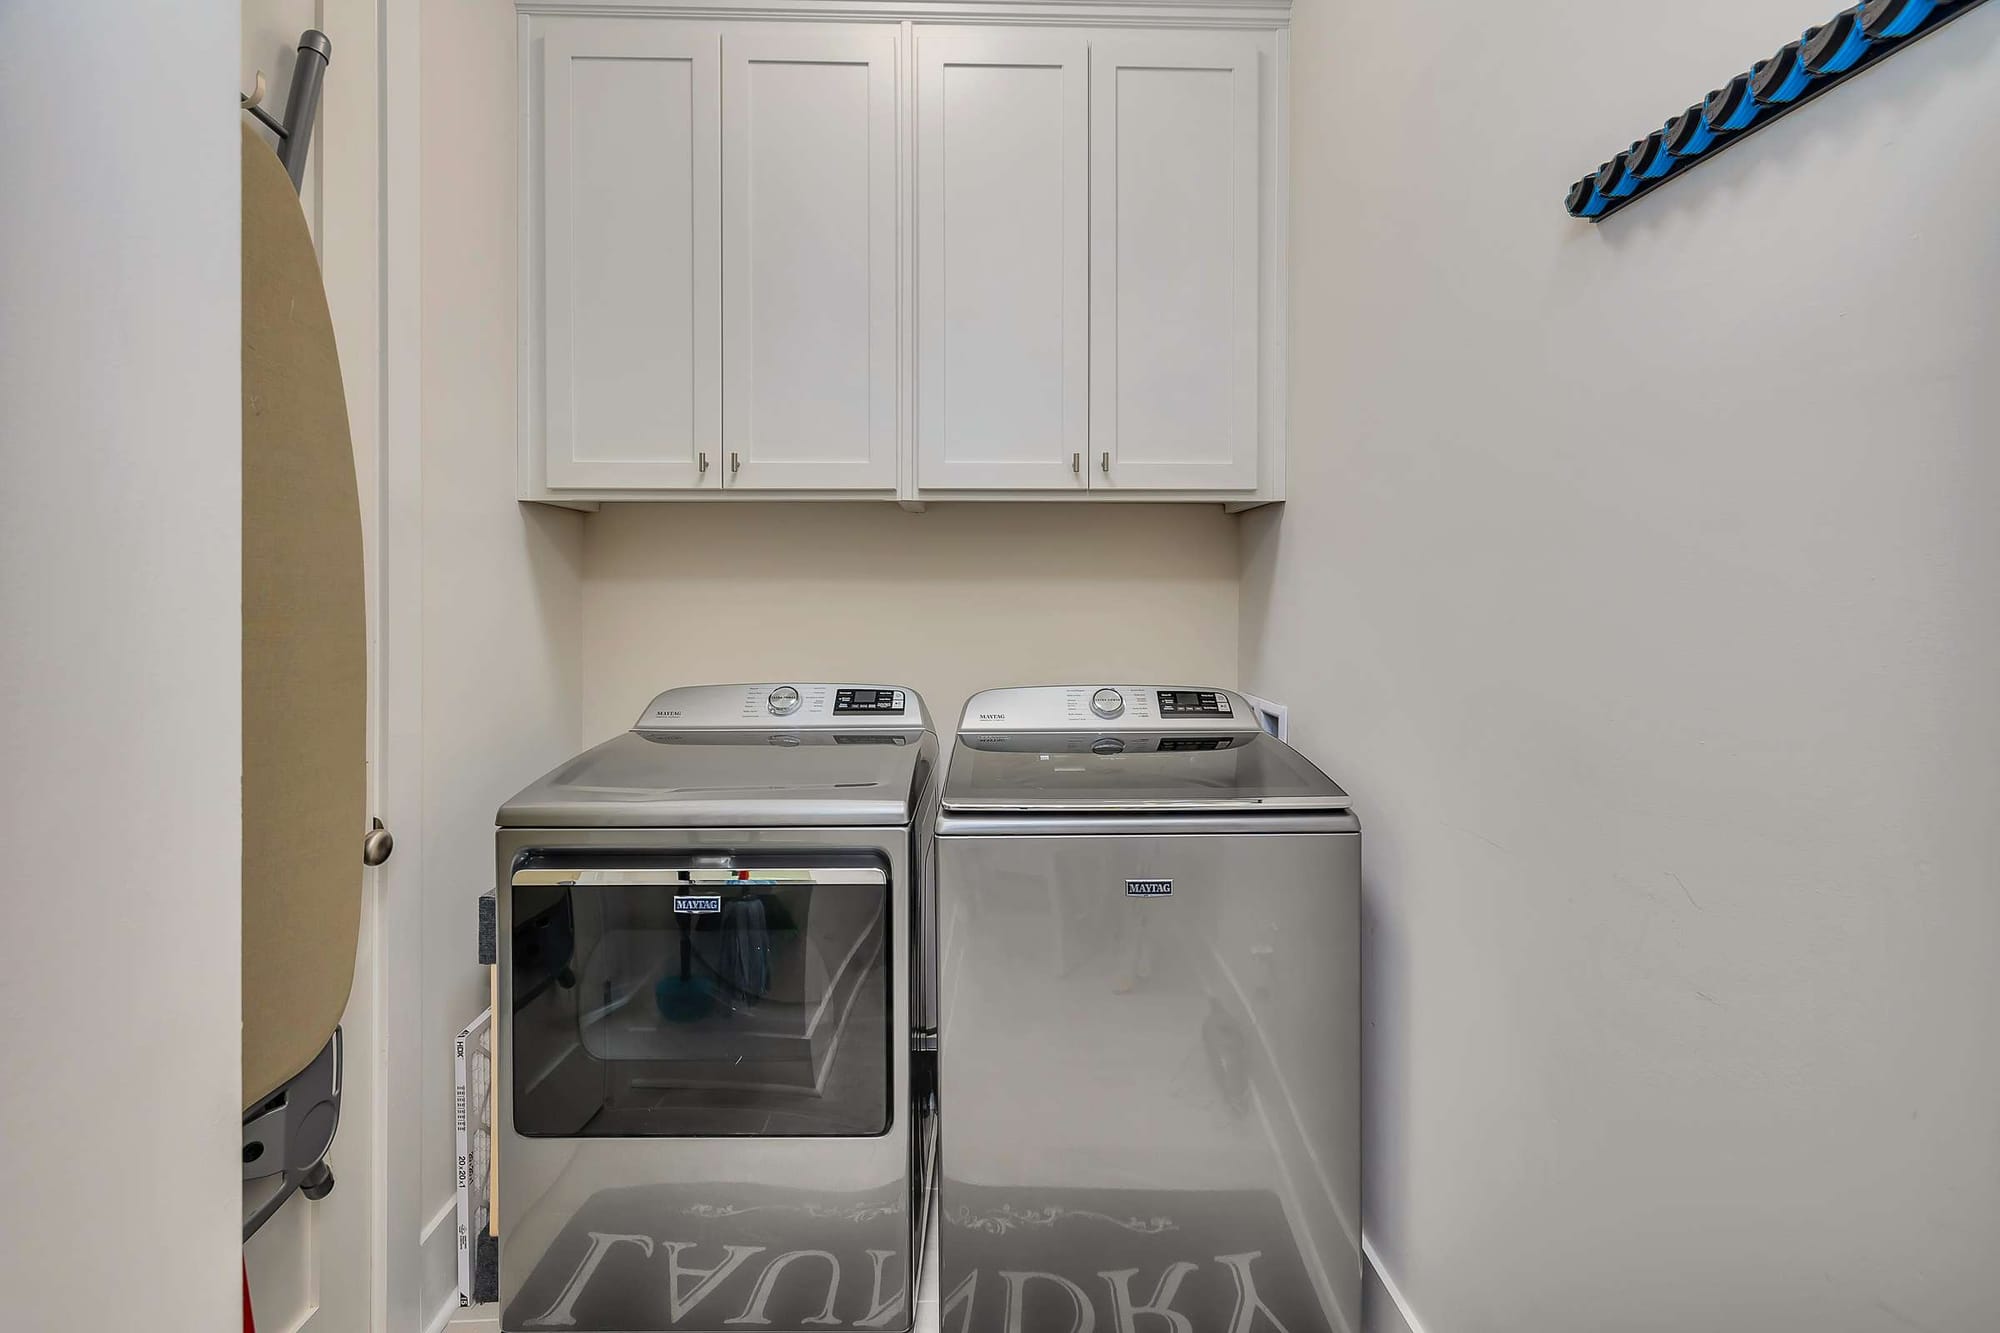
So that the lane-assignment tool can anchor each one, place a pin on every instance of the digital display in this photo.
(1169, 744)
(1194, 703)
(855, 701)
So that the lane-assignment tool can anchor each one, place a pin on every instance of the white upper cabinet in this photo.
(1174, 261)
(819, 253)
(1003, 259)
(809, 283)
(629, 354)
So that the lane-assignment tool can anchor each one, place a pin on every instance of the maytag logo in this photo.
(697, 904)
(1148, 888)
(992, 717)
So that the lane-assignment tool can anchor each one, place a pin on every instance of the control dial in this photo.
(1107, 745)
(784, 701)
(1107, 703)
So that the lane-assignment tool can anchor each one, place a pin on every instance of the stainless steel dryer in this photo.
(1149, 1020)
(709, 1115)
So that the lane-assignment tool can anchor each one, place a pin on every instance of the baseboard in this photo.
(1383, 1307)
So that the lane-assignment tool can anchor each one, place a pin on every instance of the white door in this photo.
(809, 256)
(630, 252)
(1003, 241)
(1174, 261)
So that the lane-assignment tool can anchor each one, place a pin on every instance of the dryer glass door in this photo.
(693, 1002)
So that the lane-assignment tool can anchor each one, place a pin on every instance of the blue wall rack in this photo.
(1826, 57)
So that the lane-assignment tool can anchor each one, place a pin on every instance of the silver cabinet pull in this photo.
(1104, 463)
(701, 463)
(376, 844)
(735, 462)
(1076, 464)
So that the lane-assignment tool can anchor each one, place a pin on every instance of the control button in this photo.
(784, 701)
(1107, 745)
(1107, 703)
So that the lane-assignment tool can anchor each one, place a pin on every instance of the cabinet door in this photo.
(809, 256)
(631, 259)
(1003, 260)
(1173, 261)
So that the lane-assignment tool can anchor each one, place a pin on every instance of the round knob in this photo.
(1107, 703)
(376, 844)
(784, 701)
(1107, 745)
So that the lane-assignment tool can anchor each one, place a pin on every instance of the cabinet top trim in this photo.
(1041, 13)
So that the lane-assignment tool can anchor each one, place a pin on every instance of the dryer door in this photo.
(652, 1001)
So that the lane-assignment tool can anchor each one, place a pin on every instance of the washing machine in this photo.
(709, 1114)
(1148, 1026)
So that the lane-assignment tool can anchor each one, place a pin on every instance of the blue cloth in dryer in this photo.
(745, 963)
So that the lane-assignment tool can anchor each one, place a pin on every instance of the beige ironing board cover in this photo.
(305, 700)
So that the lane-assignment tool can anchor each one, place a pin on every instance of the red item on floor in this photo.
(249, 1321)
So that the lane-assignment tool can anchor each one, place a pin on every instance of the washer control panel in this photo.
(1095, 708)
(863, 701)
(1195, 703)
(784, 705)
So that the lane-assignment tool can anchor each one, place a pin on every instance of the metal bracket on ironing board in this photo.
(295, 131)
(287, 1136)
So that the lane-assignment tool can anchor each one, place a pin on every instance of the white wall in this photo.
(1643, 583)
(119, 653)
(500, 604)
(952, 600)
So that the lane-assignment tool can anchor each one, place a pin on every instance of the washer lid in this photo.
(1168, 748)
(837, 756)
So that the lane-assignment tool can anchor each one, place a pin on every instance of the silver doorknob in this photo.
(376, 844)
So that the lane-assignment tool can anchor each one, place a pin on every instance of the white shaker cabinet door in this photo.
(1003, 259)
(1174, 261)
(809, 347)
(631, 382)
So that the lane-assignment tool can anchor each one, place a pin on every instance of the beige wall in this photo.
(952, 600)
(1643, 584)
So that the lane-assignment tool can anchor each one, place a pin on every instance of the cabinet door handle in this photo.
(735, 462)
(701, 463)
(1104, 463)
(1076, 464)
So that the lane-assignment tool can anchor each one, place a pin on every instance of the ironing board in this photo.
(304, 674)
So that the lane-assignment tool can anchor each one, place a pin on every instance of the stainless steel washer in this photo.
(1149, 1020)
(709, 1114)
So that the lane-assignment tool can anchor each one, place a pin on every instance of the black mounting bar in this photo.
(1854, 40)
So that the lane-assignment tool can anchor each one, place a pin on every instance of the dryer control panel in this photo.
(1168, 709)
(784, 706)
